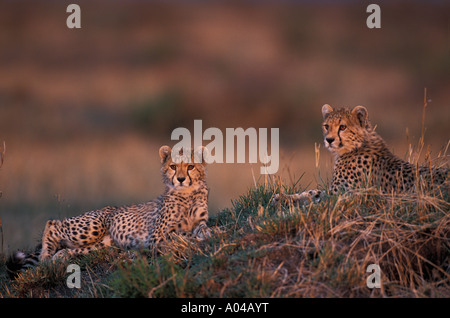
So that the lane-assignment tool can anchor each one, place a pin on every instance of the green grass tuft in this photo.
(258, 249)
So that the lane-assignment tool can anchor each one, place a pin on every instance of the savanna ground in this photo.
(261, 250)
(84, 112)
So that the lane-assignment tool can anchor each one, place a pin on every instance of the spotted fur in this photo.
(362, 158)
(182, 208)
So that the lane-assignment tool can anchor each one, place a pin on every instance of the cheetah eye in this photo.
(326, 126)
(342, 127)
(173, 167)
(190, 167)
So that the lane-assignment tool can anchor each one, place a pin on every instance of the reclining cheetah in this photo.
(362, 159)
(182, 208)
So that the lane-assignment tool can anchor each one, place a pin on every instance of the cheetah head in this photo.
(344, 130)
(181, 173)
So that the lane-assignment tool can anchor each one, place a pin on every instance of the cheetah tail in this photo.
(21, 261)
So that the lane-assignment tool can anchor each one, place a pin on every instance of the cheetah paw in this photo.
(202, 232)
(305, 197)
(62, 254)
(313, 195)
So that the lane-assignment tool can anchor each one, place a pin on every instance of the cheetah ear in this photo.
(326, 110)
(201, 155)
(362, 115)
(164, 153)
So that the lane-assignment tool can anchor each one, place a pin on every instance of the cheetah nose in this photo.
(329, 140)
(181, 179)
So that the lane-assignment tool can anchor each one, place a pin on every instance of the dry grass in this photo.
(318, 250)
(2, 157)
(74, 141)
(83, 130)
(261, 250)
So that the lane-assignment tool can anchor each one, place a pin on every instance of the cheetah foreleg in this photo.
(70, 250)
(306, 197)
(202, 231)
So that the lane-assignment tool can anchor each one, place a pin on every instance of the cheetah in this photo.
(362, 158)
(182, 208)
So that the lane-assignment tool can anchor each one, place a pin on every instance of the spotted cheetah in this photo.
(183, 208)
(362, 158)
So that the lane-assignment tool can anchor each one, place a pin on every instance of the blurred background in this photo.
(83, 112)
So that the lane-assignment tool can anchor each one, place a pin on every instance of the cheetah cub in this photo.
(362, 159)
(183, 208)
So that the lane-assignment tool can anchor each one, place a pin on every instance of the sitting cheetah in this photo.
(362, 159)
(182, 208)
